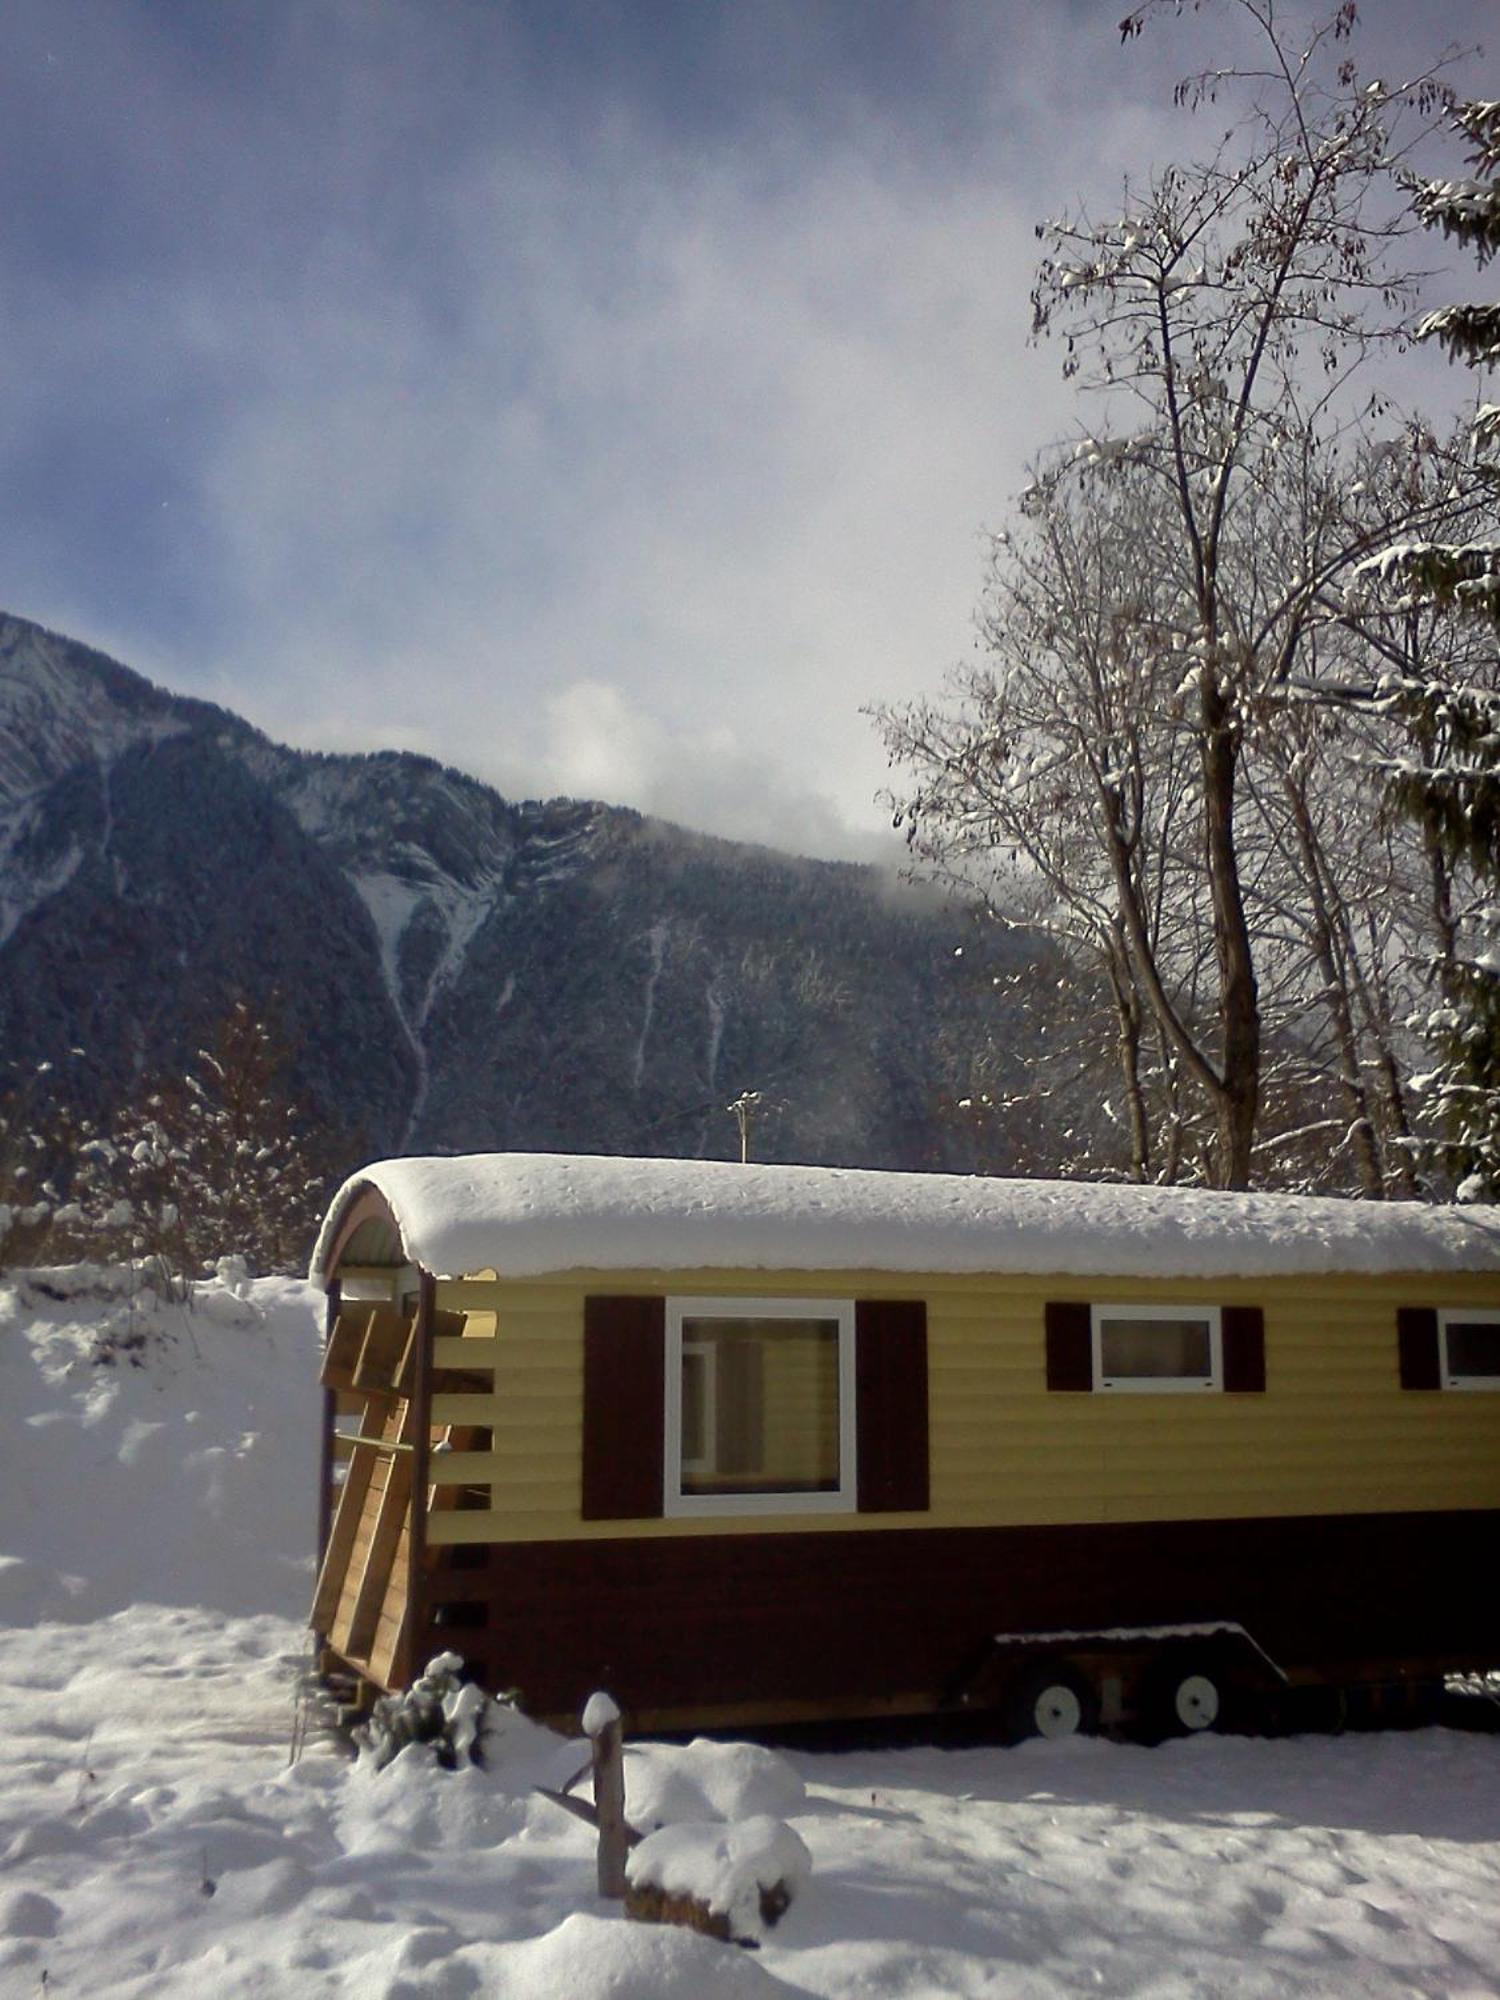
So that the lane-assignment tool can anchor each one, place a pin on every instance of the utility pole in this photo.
(744, 1108)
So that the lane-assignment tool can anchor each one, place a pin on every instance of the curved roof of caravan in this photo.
(528, 1214)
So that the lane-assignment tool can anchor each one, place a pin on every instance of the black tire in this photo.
(1052, 1700)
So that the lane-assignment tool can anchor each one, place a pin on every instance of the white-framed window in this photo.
(1157, 1349)
(759, 1406)
(1469, 1347)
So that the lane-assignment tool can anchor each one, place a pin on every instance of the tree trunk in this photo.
(1128, 1017)
(1237, 1100)
(1362, 1134)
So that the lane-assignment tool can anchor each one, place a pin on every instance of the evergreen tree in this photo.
(222, 1164)
(1451, 783)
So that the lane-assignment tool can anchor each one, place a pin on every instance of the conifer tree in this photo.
(1450, 784)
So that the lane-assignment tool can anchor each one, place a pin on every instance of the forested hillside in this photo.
(449, 970)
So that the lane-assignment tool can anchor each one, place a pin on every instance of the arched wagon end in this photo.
(381, 1443)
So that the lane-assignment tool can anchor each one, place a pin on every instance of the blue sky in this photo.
(604, 398)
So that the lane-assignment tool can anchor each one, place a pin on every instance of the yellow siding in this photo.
(1333, 1433)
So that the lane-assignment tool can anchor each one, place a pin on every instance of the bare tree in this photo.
(1222, 323)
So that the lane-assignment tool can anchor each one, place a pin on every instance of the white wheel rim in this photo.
(1057, 1711)
(1196, 1702)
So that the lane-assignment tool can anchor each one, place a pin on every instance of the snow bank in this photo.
(592, 1958)
(704, 1780)
(156, 1450)
(526, 1214)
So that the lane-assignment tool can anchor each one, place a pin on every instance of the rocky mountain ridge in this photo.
(450, 970)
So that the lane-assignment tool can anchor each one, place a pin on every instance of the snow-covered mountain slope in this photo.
(61, 710)
(62, 705)
(453, 970)
(168, 1827)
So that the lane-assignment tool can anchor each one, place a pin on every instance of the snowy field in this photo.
(157, 1837)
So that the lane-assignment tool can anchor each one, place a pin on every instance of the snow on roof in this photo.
(528, 1214)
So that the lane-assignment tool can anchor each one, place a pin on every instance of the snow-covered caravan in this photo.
(752, 1443)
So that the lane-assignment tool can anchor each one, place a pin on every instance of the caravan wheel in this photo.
(1053, 1701)
(1184, 1697)
(1196, 1702)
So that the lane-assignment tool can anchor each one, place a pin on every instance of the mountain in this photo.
(450, 970)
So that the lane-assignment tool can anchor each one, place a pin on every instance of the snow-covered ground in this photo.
(159, 1837)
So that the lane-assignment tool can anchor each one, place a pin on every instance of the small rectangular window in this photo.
(1156, 1348)
(759, 1406)
(1469, 1346)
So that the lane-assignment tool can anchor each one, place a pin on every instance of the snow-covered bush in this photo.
(218, 1160)
(440, 1709)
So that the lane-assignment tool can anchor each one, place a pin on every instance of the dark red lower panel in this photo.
(761, 1622)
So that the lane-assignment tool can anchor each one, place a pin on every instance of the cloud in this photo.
(722, 446)
(597, 414)
(599, 743)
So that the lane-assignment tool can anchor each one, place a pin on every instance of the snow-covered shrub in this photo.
(44, 1151)
(218, 1160)
(441, 1709)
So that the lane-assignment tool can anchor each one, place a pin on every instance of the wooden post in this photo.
(421, 1411)
(604, 1729)
(325, 1456)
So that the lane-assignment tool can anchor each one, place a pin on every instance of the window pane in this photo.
(760, 1406)
(695, 1398)
(1474, 1347)
(1168, 1349)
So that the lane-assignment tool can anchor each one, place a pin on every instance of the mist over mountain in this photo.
(450, 970)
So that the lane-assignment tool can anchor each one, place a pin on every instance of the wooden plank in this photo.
(374, 1496)
(386, 1518)
(343, 1615)
(342, 1351)
(406, 1367)
(391, 1626)
(329, 1474)
(428, 1323)
(380, 1351)
(346, 1519)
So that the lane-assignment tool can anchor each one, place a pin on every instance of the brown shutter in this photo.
(1070, 1345)
(1244, 1335)
(1417, 1343)
(624, 1402)
(890, 1402)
